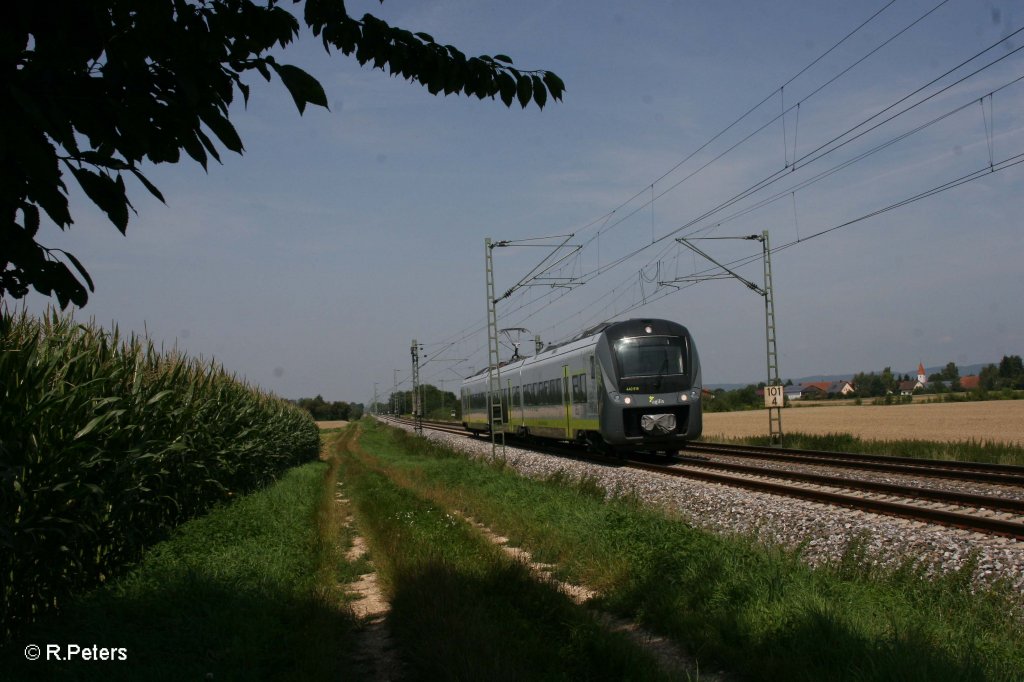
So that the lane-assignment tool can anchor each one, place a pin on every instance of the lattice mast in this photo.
(774, 413)
(495, 416)
(417, 407)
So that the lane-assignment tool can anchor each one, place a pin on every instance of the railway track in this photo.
(987, 513)
(967, 471)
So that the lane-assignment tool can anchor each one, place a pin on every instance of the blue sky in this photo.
(308, 264)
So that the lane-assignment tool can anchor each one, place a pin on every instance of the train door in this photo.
(506, 404)
(592, 390)
(567, 401)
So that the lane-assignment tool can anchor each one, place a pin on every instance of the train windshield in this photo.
(650, 356)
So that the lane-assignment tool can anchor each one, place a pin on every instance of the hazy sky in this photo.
(310, 263)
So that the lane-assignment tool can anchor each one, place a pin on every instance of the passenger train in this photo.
(632, 385)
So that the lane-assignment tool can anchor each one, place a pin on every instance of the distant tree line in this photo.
(870, 385)
(745, 398)
(325, 411)
(1008, 375)
(437, 404)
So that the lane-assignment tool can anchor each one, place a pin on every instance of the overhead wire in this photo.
(803, 161)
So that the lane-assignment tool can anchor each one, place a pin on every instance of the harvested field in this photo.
(337, 424)
(995, 420)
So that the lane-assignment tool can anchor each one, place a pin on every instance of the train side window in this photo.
(592, 367)
(579, 388)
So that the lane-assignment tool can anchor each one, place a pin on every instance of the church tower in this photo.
(921, 376)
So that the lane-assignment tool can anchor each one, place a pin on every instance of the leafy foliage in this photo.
(1009, 374)
(321, 410)
(95, 88)
(107, 445)
(745, 398)
(871, 385)
(437, 404)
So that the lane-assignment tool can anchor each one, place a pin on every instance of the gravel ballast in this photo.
(824, 531)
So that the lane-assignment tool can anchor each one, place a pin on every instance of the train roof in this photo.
(550, 349)
(627, 327)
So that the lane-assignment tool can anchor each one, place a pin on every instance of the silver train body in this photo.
(633, 385)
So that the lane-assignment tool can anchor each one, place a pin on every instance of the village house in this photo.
(971, 382)
(820, 389)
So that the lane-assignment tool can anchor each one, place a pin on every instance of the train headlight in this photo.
(627, 400)
(684, 398)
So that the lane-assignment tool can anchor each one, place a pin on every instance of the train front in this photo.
(652, 385)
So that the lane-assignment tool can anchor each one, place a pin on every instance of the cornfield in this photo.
(106, 444)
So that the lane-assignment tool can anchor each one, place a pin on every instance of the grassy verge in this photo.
(461, 609)
(760, 613)
(960, 451)
(246, 592)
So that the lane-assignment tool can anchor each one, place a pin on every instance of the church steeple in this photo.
(921, 376)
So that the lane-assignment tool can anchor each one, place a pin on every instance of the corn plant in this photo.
(106, 444)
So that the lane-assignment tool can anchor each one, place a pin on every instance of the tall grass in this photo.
(761, 613)
(246, 592)
(107, 443)
(461, 609)
(993, 452)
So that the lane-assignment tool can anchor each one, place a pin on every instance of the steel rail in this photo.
(1006, 474)
(944, 496)
(992, 526)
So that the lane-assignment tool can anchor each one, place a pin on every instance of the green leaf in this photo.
(555, 85)
(507, 88)
(93, 423)
(149, 185)
(224, 131)
(540, 95)
(31, 215)
(502, 58)
(105, 193)
(81, 270)
(194, 148)
(303, 87)
(524, 90)
(159, 396)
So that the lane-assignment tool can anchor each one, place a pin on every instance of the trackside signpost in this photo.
(773, 396)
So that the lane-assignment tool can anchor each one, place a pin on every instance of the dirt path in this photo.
(671, 659)
(376, 657)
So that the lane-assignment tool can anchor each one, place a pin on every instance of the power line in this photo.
(539, 303)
